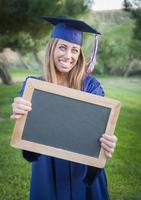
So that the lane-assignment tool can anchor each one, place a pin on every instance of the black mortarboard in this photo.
(68, 29)
(72, 30)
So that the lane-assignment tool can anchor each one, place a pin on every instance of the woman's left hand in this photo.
(108, 143)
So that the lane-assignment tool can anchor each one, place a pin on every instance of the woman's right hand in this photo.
(20, 107)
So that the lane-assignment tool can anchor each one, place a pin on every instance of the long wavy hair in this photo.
(76, 74)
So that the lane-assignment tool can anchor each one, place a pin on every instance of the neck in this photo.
(62, 79)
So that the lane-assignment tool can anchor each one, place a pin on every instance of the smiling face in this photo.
(66, 55)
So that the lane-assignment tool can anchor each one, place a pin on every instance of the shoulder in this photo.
(24, 83)
(92, 85)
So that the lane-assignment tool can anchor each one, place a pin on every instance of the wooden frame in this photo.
(32, 84)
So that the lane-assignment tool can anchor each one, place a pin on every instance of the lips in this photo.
(64, 63)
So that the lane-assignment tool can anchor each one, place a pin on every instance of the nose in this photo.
(68, 54)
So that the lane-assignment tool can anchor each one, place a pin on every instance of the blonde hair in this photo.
(49, 70)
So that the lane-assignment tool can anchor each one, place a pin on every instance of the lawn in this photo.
(123, 170)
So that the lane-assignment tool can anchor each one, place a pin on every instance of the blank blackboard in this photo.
(65, 123)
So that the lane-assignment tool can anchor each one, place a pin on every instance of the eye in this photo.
(75, 51)
(62, 48)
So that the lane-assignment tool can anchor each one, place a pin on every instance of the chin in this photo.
(64, 70)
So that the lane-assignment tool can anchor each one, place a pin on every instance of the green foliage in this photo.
(134, 8)
(118, 52)
(22, 28)
(21, 21)
(21, 41)
(114, 52)
(123, 170)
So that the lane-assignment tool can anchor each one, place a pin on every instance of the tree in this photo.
(26, 16)
(21, 24)
(114, 52)
(134, 8)
(5, 76)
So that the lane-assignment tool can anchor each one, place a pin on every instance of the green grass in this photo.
(123, 170)
(24, 73)
(14, 171)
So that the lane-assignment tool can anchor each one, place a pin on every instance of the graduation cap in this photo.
(72, 30)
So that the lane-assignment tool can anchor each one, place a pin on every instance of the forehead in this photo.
(69, 44)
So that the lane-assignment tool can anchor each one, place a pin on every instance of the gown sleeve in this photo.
(91, 85)
(29, 156)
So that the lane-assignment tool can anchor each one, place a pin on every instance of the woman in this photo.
(53, 178)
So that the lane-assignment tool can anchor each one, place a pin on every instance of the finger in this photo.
(107, 148)
(21, 107)
(107, 154)
(20, 100)
(13, 116)
(18, 111)
(108, 143)
(111, 138)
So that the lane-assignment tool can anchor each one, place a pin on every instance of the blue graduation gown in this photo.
(58, 179)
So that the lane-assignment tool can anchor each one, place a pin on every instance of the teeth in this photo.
(63, 62)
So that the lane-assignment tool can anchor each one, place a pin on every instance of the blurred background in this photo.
(23, 39)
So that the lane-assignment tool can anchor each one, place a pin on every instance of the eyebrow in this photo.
(67, 45)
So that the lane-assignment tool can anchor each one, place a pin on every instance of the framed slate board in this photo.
(65, 123)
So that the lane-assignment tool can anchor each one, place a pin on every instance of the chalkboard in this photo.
(65, 123)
